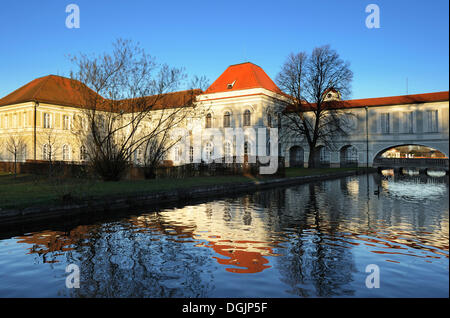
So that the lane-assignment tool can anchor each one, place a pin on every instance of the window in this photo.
(246, 148)
(227, 150)
(24, 152)
(351, 154)
(137, 156)
(24, 122)
(65, 153)
(191, 154)
(177, 153)
(269, 120)
(46, 152)
(384, 119)
(101, 122)
(83, 153)
(227, 119)
(409, 122)
(208, 121)
(66, 122)
(47, 120)
(432, 120)
(247, 118)
(15, 121)
(209, 151)
(84, 123)
(6, 122)
(350, 121)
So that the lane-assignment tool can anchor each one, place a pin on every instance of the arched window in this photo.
(208, 121)
(296, 156)
(247, 118)
(349, 156)
(227, 119)
(66, 153)
(83, 153)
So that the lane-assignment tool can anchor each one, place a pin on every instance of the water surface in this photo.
(312, 240)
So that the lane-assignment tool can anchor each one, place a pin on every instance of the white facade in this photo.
(376, 128)
(234, 103)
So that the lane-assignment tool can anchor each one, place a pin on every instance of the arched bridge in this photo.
(412, 163)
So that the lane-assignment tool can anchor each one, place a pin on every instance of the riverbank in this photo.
(27, 198)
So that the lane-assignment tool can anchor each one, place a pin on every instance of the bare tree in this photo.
(309, 112)
(50, 145)
(127, 105)
(200, 82)
(16, 146)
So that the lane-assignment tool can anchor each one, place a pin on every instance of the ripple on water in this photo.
(304, 241)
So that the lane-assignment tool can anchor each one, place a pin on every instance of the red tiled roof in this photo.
(162, 101)
(58, 90)
(397, 100)
(382, 101)
(50, 89)
(244, 76)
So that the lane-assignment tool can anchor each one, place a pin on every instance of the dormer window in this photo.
(230, 85)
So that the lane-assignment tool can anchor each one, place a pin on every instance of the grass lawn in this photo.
(32, 190)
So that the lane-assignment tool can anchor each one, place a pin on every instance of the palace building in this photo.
(241, 97)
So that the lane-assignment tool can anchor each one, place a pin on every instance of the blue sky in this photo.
(205, 37)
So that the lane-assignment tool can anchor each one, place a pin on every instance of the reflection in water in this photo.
(307, 241)
(437, 173)
(411, 172)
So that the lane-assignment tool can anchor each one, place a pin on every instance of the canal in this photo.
(310, 240)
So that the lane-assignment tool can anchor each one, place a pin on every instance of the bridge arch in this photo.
(416, 156)
(380, 152)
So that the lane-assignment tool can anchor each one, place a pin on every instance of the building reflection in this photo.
(307, 233)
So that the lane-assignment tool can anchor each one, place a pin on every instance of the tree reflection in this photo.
(312, 264)
(305, 234)
(122, 262)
